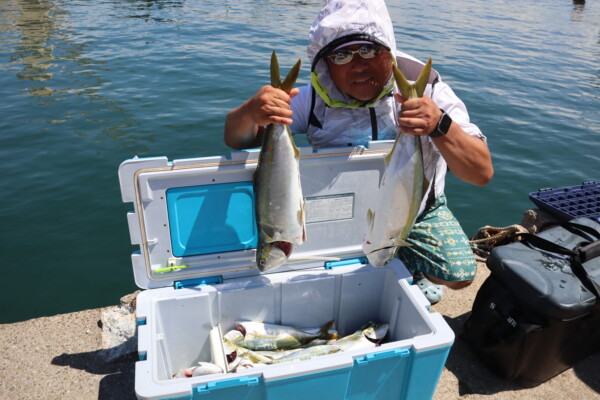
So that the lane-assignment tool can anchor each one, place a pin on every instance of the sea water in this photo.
(85, 85)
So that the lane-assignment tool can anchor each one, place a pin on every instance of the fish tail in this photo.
(417, 89)
(404, 87)
(275, 74)
(290, 79)
(324, 331)
(423, 78)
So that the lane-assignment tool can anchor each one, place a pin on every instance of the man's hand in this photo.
(244, 124)
(419, 116)
(270, 106)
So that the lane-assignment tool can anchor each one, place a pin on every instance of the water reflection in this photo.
(58, 63)
(34, 21)
(149, 8)
(577, 13)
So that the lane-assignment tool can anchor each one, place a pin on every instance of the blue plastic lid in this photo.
(212, 218)
(570, 202)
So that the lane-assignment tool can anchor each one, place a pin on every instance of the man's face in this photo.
(362, 78)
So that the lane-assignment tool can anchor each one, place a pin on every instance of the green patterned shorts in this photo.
(439, 246)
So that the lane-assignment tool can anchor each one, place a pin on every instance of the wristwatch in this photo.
(443, 125)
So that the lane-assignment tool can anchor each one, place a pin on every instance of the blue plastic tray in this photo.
(570, 202)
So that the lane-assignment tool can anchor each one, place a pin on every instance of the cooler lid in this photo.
(195, 218)
(570, 202)
(544, 281)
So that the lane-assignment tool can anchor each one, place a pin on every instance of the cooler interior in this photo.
(351, 296)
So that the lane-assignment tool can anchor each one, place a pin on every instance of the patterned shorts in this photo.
(439, 246)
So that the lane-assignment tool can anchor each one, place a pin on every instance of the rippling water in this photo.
(85, 85)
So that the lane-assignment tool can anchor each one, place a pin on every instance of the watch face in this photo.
(445, 123)
(443, 126)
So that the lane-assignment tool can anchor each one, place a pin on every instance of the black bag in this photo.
(538, 313)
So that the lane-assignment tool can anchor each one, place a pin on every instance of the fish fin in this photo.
(324, 331)
(303, 222)
(401, 243)
(370, 218)
(421, 82)
(275, 74)
(403, 86)
(296, 149)
(290, 79)
(426, 184)
(388, 158)
(302, 216)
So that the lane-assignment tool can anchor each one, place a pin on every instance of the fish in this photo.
(307, 353)
(279, 202)
(203, 368)
(367, 337)
(269, 344)
(232, 339)
(262, 336)
(401, 188)
(243, 364)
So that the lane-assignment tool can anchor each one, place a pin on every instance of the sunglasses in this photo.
(344, 56)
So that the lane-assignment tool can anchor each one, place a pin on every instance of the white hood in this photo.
(341, 18)
(342, 21)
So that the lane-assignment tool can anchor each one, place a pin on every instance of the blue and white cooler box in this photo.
(195, 224)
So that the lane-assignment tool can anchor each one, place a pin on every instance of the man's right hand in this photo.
(244, 124)
(270, 106)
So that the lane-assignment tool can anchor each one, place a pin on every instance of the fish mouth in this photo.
(381, 256)
(273, 254)
(379, 249)
(240, 328)
(285, 247)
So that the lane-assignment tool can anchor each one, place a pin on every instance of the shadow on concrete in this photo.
(587, 371)
(119, 382)
(475, 378)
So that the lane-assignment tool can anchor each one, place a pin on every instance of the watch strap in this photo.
(443, 125)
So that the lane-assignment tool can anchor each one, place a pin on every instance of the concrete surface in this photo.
(61, 357)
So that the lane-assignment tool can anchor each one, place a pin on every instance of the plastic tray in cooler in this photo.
(570, 202)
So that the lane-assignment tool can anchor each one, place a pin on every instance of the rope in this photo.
(488, 237)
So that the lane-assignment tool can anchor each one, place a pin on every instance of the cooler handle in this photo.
(577, 229)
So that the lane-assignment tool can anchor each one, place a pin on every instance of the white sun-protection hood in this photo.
(340, 18)
(343, 21)
(337, 119)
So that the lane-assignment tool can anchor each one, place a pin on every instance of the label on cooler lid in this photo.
(329, 208)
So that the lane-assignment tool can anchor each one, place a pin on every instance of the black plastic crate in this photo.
(570, 202)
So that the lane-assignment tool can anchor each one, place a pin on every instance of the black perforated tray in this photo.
(570, 202)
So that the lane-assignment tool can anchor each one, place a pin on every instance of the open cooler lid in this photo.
(194, 219)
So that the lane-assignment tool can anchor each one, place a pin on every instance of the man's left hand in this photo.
(418, 116)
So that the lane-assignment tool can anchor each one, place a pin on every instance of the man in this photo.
(351, 99)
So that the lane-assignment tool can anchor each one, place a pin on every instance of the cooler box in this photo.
(195, 224)
(534, 317)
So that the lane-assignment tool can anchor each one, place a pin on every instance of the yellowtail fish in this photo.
(363, 338)
(261, 336)
(279, 201)
(401, 188)
(308, 353)
(234, 336)
(203, 368)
